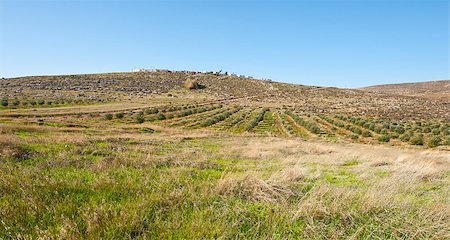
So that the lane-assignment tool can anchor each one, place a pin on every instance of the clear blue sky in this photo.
(351, 43)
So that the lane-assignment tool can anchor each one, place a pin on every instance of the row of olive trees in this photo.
(15, 102)
(311, 126)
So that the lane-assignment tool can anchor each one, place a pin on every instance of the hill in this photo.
(431, 90)
(133, 86)
(147, 155)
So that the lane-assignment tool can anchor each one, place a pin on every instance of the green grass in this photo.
(98, 183)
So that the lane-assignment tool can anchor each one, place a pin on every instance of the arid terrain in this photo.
(431, 90)
(165, 154)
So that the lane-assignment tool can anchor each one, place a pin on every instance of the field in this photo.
(192, 165)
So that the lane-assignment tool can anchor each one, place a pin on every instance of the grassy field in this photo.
(65, 175)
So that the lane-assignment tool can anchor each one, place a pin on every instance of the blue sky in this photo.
(328, 43)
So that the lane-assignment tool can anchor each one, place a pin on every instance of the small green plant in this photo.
(139, 118)
(366, 134)
(108, 116)
(434, 141)
(160, 116)
(5, 102)
(16, 102)
(151, 111)
(384, 138)
(446, 141)
(119, 115)
(417, 139)
(148, 130)
(406, 136)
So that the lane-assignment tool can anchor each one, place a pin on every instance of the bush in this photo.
(108, 116)
(140, 118)
(5, 102)
(406, 136)
(400, 130)
(151, 111)
(434, 141)
(33, 102)
(446, 141)
(16, 102)
(354, 137)
(366, 134)
(160, 116)
(435, 131)
(417, 139)
(119, 115)
(384, 138)
(426, 130)
(378, 129)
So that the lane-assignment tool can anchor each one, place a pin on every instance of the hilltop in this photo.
(136, 86)
(431, 90)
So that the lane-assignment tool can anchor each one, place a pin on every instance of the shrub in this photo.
(140, 118)
(394, 135)
(406, 136)
(160, 116)
(400, 129)
(417, 139)
(384, 138)
(357, 130)
(354, 137)
(446, 141)
(33, 102)
(426, 130)
(119, 115)
(151, 111)
(435, 131)
(108, 116)
(5, 102)
(433, 141)
(16, 102)
(366, 134)
(378, 129)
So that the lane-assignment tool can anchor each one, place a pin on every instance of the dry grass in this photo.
(113, 181)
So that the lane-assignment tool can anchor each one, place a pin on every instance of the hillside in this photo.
(138, 86)
(144, 155)
(431, 90)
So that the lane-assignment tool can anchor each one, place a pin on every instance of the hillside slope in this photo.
(432, 90)
(132, 86)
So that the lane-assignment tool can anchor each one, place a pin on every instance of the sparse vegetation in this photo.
(433, 141)
(5, 102)
(108, 116)
(140, 118)
(188, 172)
(417, 139)
(384, 138)
(119, 115)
